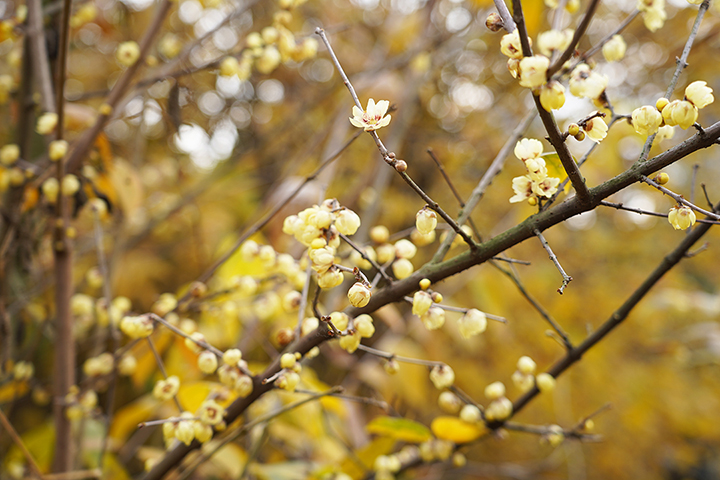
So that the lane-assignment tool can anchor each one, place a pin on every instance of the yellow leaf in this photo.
(366, 455)
(12, 390)
(399, 429)
(555, 168)
(126, 419)
(456, 430)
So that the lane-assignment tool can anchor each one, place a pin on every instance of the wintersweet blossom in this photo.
(596, 129)
(425, 221)
(680, 112)
(359, 295)
(546, 188)
(442, 376)
(554, 40)
(699, 94)
(552, 95)
(527, 148)
(653, 12)
(586, 83)
(510, 45)
(127, 53)
(533, 71)
(472, 323)
(373, 117)
(614, 49)
(646, 120)
(522, 186)
(681, 217)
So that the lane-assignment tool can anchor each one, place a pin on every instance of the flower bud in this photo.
(347, 222)
(552, 95)
(359, 295)
(646, 120)
(545, 382)
(470, 414)
(614, 49)
(9, 154)
(533, 71)
(425, 221)
(442, 376)
(402, 268)
(681, 217)
(495, 390)
(207, 362)
(364, 326)
(661, 103)
(379, 234)
(421, 303)
(662, 178)
(494, 22)
(434, 318)
(699, 94)
(472, 323)
(127, 53)
(449, 402)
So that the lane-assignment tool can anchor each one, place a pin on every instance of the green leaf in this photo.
(399, 429)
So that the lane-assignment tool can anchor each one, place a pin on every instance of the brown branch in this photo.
(34, 468)
(621, 314)
(579, 32)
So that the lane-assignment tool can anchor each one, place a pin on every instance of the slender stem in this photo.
(207, 454)
(623, 25)
(621, 314)
(679, 198)
(566, 278)
(620, 206)
(161, 366)
(353, 398)
(681, 64)
(504, 13)
(376, 266)
(579, 32)
(390, 159)
(41, 66)
(493, 170)
(564, 338)
(462, 310)
(304, 299)
(522, 29)
(392, 356)
(34, 468)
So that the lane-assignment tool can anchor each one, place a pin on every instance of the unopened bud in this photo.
(400, 166)
(573, 129)
(662, 178)
(661, 103)
(580, 136)
(494, 22)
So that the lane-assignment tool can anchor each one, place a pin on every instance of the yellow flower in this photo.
(472, 323)
(699, 94)
(421, 303)
(527, 148)
(510, 45)
(46, 123)
(681, 217)
(614, 49)
(359, 295)
(434, 318)
(425, 221)
(9, 154)
(533, 71)
(127, 53)
(596, 129)
(373, 117)
(585, 83)
(522, 186)
(552, 95)
(653, 13)
(442, 376)
(680, 112)
(554, 40)
(646, 120)
(546, 187)
(57, 149)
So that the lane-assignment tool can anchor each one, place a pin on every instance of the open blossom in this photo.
(537, 171)
(522, 186)
(533, 71)
(552, 95)
(596, 129)
(653, 12)
(554, 40)
(646, 120)
(373, 117)
(546, 187)
(585, 83)
(681, 217)
(680, 112)
(699, 94)
(527, 148)
(510, 45)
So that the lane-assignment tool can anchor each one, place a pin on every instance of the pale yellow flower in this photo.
(533, 71)
(552, 95)
(596, 129)
(586, 83)
(614, 49)
(373, 117)
(680, 112)
(646, 120)
(699, 94)
(681, 218)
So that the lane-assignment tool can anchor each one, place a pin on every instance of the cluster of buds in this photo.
(101, 365)
(230, 374)
(436, 450)
(500, 407)
(80, 404)
(653, 13)
(189, 427)
(523, 377)
(648, 120)
(269, 48)
(137, 327)
(593, 126)
(386, 466)
(536, 183)
(362, 327)
(423, 306)
(289, 377)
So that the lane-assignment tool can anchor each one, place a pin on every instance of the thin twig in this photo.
(504, 13)
(353, 398)
(564, 338)
(623, 25)
(681, 64)
(161, 366)
(376, 266)
(679, 198)
(34, 468)
(566, 278)
(478, 192)
(387, 156)
(462, 310)
(392, 356)
(579, 32)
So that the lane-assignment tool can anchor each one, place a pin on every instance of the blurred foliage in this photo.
(193, 158)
